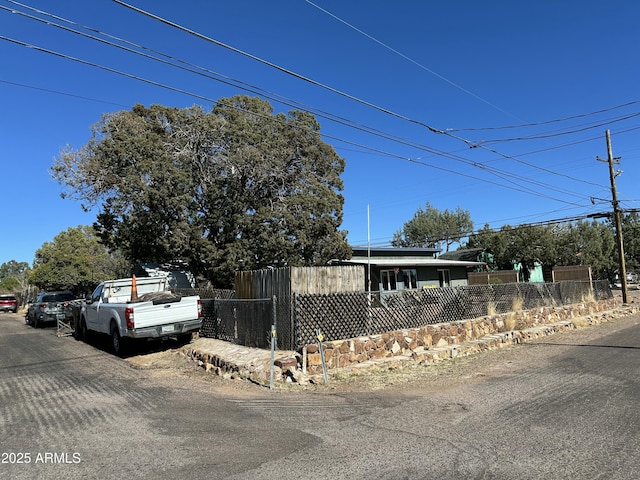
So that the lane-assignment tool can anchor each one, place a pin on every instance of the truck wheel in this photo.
(86, 335)
(117, 342)
(78, 331)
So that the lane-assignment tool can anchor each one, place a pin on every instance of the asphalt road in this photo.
(564, 407)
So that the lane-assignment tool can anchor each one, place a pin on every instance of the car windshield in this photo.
(58, 297)
(6, 298)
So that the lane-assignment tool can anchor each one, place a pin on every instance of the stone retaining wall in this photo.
(427, 343)
(422, 345)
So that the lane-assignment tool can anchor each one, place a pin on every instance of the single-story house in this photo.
(394, 269)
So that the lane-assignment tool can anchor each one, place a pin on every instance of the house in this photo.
(394, 269)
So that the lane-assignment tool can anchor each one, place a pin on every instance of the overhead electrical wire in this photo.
(209, 73)
(278, 67)
(270, 95)
(546, 135)
(300, 76)
(195, 95)
(331, 117)
(418, 64)
(435, 152)
(547, 122)
(550, 222)
(570, 144)
(81, 97)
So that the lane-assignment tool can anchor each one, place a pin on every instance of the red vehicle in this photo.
(8, 303)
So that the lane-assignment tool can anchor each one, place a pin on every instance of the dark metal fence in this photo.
(351, 315)
(244, 322)
(348, 315)
(206, 293)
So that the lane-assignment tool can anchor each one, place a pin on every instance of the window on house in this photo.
(445, 278)
(397, 279)
(410, 278)
(388, 279)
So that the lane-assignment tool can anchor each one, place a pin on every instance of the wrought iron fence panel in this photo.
(244, 322)
(602, 290)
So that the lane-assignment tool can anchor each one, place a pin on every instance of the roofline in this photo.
(412, 262)
(397, 249)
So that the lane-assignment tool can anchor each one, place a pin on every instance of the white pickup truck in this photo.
(142, 308)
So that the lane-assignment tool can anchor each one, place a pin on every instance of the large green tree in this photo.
(75, 260)
(235, 188)
(14, 278)
(588, 243)
(430, 227)
(631, 236)
(572, 243)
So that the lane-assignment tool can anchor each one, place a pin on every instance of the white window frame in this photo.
(386, 276)
(395, 277)
(444, 277)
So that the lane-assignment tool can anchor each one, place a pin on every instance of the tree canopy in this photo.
(631, 234)
(14, 277)
(430, 227)
(580, 243)
(236, 188)
(75, 260)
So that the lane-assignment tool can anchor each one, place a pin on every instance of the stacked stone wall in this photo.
(429, 342)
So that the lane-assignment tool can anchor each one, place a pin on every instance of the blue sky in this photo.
(559, 72)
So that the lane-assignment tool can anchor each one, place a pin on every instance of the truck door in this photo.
(91, 308)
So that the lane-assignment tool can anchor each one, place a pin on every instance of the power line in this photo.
(546, 135)
(161, 85)
(570, 144)
(304, 78)
(546, 122)
(63, 93)
(216, 76)
(432, 72)
(277, 67)
(558, 221)
(331, 117)
(503, 175)
(256, 90)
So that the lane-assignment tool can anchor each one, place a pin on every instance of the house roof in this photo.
(411, 262)
(467, 254)
(403, 251)
(405, 257)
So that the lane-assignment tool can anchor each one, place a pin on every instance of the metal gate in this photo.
(243, 322)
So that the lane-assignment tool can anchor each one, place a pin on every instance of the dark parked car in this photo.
(8, 303)
(48, 308)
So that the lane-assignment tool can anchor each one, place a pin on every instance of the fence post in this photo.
(293, 334)
(273, 355)
(324, 364)
(273, 339)
(274, 312)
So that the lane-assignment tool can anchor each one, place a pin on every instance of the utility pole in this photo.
(616, 215)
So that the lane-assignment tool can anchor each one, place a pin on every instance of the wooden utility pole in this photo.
(616, 215)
